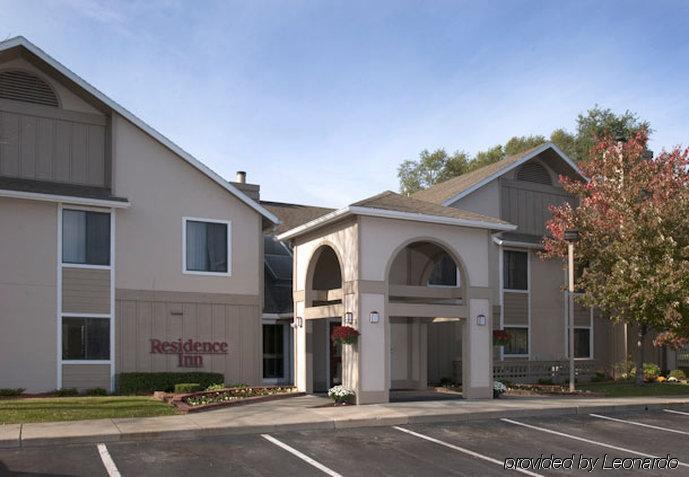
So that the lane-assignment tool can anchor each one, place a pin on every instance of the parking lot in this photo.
(468, 448)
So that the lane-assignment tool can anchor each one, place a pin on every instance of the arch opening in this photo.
(324, 280)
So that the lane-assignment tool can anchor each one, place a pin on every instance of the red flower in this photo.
(344, 334)
(500, 337)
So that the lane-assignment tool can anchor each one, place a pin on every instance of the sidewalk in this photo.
(301, 413)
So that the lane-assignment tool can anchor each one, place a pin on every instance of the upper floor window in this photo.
(207, 246)
(444, 273)
(534, 172)
(515, 270)
(85, 237)
(24, 86)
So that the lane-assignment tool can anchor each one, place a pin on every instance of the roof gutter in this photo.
(517, 244)
(67, 199)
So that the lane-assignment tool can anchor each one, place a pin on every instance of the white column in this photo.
(477, 380)
(373, 351)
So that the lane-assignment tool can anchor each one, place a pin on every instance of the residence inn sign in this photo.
(190, 352)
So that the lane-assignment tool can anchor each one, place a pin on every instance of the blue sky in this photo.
(320, 101)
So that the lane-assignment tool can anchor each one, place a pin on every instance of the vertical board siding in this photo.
(516, 308)
(85, 290)
(52, 149)
(141, 319)
(86, 376)
(526, 204)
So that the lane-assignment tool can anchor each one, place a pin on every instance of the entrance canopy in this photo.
(393, 260)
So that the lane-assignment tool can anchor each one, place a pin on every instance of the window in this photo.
(515, 270)
(85, 237)
(518, 344)
(582, 343)
(85, 338)
(207, 247)
(444, 273)
(273, 351)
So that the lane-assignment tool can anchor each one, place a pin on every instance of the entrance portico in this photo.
(389, 266)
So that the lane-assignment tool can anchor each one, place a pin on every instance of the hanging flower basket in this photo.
(344, 335)
(500, 337)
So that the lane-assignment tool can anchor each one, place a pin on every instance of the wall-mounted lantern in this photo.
(481, 320)
(374, 317)
(298, 322)
(348, 318)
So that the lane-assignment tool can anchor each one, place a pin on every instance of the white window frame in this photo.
(112, 236)
(228, 223)
(60, 314)
(503, 290)
(578, 327)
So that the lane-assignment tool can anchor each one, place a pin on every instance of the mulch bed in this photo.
(547, 390)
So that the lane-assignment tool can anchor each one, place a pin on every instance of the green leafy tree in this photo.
(430, 168)
(634, 246)
(595, 124)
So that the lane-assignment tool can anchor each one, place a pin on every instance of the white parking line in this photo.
(676, 412)
(465, 451)
(641, 424)
(302, 456)
(109, 464)
(583, 439)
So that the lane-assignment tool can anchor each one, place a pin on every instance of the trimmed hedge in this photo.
(146, 383)
(183, 388)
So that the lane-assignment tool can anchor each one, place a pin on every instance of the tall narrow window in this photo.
(515, 270)
(85, 338)
(207, 247)
(518, 344)
(85, 237)
(273, 352)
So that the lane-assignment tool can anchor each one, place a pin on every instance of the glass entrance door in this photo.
(335, 358)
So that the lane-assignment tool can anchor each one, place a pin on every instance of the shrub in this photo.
(64, 392)
(545, 381)
(651, 372)
(183, 388)
(11, 392)
(147, 383)
(678, 374)
(216, 387)
(600, 377)
(341, 395)
(96, 392)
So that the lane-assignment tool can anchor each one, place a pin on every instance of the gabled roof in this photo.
(391, 205)
(293, 215)
(450, 191)
(20, 41)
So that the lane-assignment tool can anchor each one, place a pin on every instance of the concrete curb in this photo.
(107, 430)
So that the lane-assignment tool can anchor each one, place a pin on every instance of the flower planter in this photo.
(207, 400)
(344, 335)
(500, 337)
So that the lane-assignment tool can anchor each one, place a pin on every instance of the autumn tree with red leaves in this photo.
(633, 218)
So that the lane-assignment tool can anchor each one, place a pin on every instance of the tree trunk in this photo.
(640, 355)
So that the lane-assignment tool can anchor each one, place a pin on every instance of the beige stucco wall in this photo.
(163, 189)
(484, 200)
(28, 295)
(68, 100)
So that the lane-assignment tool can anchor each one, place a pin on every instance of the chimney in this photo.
(252, 190)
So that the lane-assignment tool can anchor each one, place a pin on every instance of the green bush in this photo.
(651, 372)
(216, 387)
(147, 383)
(677, 374)
(64, 392)
(547, 381)
(11, 392)
(96, 392)
(600, 377)
(183, 388)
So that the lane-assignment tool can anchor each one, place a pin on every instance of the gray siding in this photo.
(86, 376)
(525, 204)
(46, 144)
(145, 315)
(516, 308)
(85, 290)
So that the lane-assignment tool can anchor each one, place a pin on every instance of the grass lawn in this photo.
(13, 411)
(629, 389)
